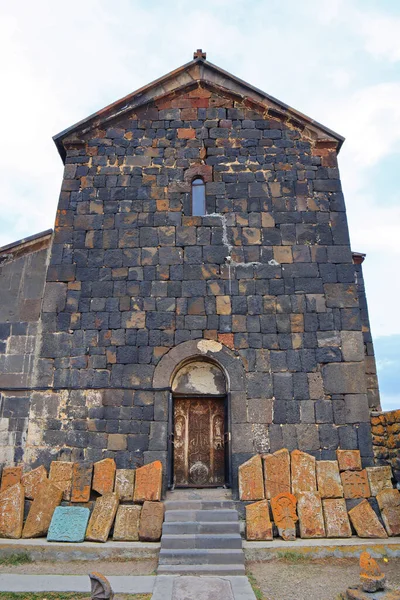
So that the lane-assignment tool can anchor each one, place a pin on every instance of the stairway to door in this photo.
(201, 534)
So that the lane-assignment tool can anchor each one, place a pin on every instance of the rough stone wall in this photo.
(386, 439)
(22, 278)
(268, 273)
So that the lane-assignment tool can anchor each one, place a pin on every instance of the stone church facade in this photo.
(198, 301)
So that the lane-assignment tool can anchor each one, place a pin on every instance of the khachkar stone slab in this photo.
(355, 484)
(32, 480)
(12, 511)
(349, 460)
(10, 476)
(258, 523)
(81, 481)
(277, 473)
(389, 503)
(303, 472)
(336, 520)
(148, 480)
(102, 518)
(124, 484)
(251, 482)
(371, 577)
(365, 521)
(328, 479)
(284, 512)
(379, 478)
(104, 475)
(47, 498)
(311, 520)
(61, 475)
(127, 523)
(151, 521)
(68, 524)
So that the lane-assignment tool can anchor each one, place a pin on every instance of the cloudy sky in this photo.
(337, 61)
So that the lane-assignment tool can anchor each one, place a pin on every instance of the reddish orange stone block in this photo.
(104, 475)
(337, 523)
(12, 511)
(148, 482)
(47, 498)
(309, 509)
(277, 473)
(81, 481)
(10, 476)
(61, 475)
(32, 480)
(186, 134)
(355, 484)
(365, 521)
(258, 524)
(349, 460)
(303, 472)
(251, 483)
(284, 512)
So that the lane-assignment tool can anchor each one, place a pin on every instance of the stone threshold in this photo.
(323, 548)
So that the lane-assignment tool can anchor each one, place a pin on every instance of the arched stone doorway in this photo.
(200, 425)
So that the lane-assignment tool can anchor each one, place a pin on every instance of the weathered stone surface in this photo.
(355, 484)
(251, 483)
(151, 521)
(284, 512)
(47, 498)
(12, 511)
(328, 479)
(389, 503)
(365, 521)
(127, 523)
(104, 475)
(344, 378)
(148, 480)
(357, 593)
(303, 472)
(102, 517)
(10, 476)
(124, 484)
(258, 523)
(371, 577)
(311, 520)
(336, 520)
(349, 460)
(100, 587)
(277, 473)
(81, 481)
(61, 475)
(68, 524)
(32, 480)
(379, 478)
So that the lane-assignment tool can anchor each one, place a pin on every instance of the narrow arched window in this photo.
(198, 197)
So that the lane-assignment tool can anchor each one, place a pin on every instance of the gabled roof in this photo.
(198, 70)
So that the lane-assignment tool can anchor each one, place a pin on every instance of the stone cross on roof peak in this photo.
(199, 54)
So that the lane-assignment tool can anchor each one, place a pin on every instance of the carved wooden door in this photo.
(199, 453)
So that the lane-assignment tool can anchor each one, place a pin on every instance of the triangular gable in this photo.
(198, 71)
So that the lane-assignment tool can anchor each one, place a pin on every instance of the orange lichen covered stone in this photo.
(355, 484)
(124, 483)
(328, 479)
(389, 503)
(47, 498)
(284, 512)
(10, 476)
(276, 473)
(303, 472)
(379, 478)
(311, 520)
(61, 475)
(336, 520)
(32, 480)
(151, 521)
(148, 482)
(12, 511)
(349, 460)
(81, 481)
(251, 483)
(258, 523)
(104, 475)
(102, 518)
(365, 521)
(371, 577)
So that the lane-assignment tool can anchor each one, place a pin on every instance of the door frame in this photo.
(227, 437)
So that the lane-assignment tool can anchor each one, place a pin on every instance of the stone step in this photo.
(201, 515)
(204, 541)
(228, 569)
(186, 527)
(198, 504)
(201, 556)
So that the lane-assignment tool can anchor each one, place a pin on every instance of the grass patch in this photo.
(257, 592)
(63, 596)
(292, 556)
(20, 558)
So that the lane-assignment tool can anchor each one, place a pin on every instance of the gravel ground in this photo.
(313, 580)
(78, 567)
